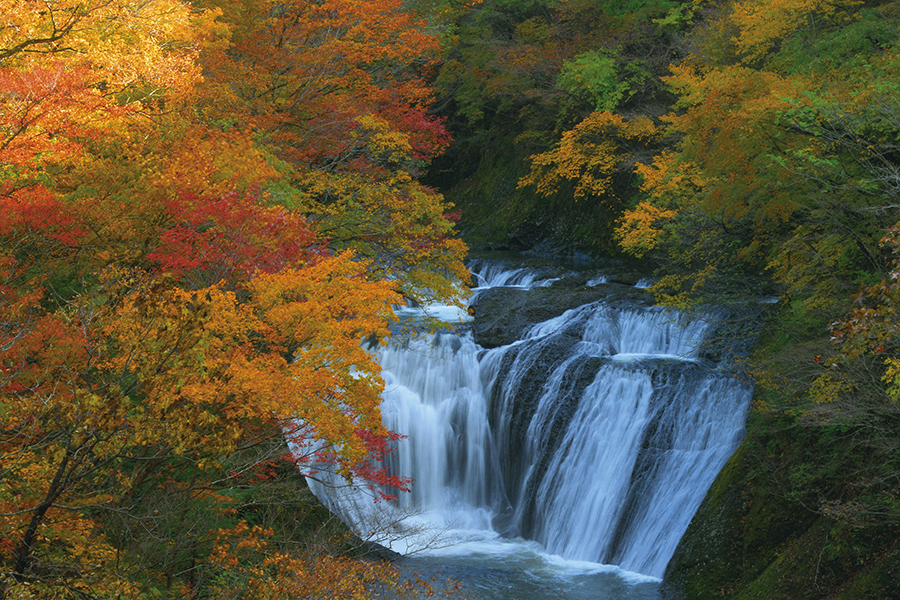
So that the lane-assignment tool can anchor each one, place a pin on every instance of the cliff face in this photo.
(764, 530)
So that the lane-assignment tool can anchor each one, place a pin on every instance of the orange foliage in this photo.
(336, 91)
(638, 230)
(667, 178)
(197, 374)
(399, 224)
(202, 214)
(304, 72)
(213, 368)
(729, 124)
(258, 571)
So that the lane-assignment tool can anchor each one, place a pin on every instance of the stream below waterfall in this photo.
(566, 463)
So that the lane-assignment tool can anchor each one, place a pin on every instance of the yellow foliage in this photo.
(827, 389)
(137, 112)
(808, 263)
(384, 143)
(761, 23)
(130, 43)
(639, 229)
(730, 130)
(588, 155)
(149, 368)
(77, 543)
(891, 377)
(669, 177)
(212, 369)
(682, 292)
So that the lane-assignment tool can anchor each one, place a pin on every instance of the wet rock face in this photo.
(504, 314)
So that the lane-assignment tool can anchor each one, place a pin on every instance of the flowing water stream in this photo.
(567, 464)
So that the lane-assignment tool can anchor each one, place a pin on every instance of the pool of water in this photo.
(498, 569)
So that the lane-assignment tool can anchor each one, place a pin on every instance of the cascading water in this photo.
(595, 436)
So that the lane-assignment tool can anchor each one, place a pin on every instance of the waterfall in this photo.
(595, 435)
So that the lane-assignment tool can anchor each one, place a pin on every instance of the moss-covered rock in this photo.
(878, 580)
(707, 562)
(763, 532)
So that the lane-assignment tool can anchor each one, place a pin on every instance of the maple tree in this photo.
(206, 208)
(309, 70)
(639, 229)
(589, 156)
(336, 91)
(148, 369)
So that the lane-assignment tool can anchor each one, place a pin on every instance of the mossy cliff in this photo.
(774, 526)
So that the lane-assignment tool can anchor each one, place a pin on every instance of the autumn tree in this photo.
(337, 91)
(593, 162)
(589, 155)
(767, 175)
(189, 268)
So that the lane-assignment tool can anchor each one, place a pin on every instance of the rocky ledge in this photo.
(504, 314)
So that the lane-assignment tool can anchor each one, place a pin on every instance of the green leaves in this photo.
(839, 50)
(603, 78)
(595, 75)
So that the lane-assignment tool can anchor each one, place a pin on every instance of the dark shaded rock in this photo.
(625, 277)
(503, 315)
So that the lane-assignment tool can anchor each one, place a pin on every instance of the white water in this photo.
(581, 451)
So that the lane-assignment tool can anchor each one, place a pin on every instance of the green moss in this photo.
(794, 571)
(707, 562)
(878, 580)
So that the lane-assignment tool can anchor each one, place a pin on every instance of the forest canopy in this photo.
(205, 209)
(207, 206)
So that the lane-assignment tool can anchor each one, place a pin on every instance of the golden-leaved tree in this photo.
(204, 211)
(337, 91)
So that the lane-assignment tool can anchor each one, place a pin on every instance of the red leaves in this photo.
(232, 236)
(312, 457)
(374, 470)
(427, 134)
(35, 210)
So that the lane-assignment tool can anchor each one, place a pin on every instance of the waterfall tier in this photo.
(595, 435)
